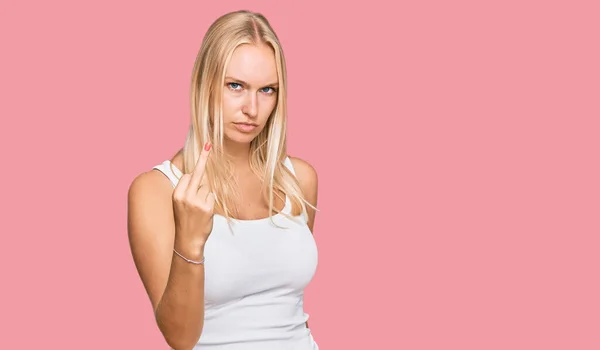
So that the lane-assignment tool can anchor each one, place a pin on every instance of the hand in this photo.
(193, 207)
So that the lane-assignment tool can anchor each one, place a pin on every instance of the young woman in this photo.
(221, 233)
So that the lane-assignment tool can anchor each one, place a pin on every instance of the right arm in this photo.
(174, 286)
(161, 219)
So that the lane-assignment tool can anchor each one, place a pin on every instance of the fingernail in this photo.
(207, 146)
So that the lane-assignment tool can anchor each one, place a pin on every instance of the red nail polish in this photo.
(207, 146)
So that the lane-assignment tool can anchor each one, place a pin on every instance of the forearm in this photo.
(180, 312)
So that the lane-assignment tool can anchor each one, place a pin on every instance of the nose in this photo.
(250, 107)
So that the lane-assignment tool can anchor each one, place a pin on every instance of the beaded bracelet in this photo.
(201, 262)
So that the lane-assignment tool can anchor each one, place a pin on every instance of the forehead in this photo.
(253, 64)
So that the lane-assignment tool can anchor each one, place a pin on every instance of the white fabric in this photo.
(255, 275)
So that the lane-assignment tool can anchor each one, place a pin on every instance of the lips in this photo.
(245, 127)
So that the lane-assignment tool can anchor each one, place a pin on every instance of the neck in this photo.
(238, 154)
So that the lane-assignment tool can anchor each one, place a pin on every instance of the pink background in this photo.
(457, 145)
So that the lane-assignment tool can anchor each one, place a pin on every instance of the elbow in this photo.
(179, 337)
(181, 343)
(178, 345)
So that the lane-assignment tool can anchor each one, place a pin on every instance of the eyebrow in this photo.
(245, 83)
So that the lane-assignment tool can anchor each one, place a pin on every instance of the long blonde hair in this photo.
(269, 149)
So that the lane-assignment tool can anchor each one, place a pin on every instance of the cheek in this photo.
(230, 107)
(267, 107)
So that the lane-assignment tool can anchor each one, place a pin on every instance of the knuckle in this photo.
(200, 206)
(177, 196)
(192, 202)
(188, 200)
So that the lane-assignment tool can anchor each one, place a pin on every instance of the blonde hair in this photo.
(268, 149)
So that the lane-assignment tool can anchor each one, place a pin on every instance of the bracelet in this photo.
(201, 262)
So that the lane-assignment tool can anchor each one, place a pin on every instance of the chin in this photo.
(239, 137)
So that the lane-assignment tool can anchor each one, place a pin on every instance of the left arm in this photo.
(309, 183)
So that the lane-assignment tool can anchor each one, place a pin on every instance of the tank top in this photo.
(255, 276)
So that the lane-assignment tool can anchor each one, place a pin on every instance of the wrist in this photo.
(190, 249)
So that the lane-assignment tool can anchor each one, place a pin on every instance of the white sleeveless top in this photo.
(255, 275)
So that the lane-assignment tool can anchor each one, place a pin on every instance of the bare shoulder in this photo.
(306, 174)
(149, 207)
(309, 183)
(150, 186)
(151, 229)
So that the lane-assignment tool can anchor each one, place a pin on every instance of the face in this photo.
(250, 92)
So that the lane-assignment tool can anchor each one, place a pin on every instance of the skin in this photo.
(174, 286)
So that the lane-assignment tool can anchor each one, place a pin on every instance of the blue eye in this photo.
(238, 87)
